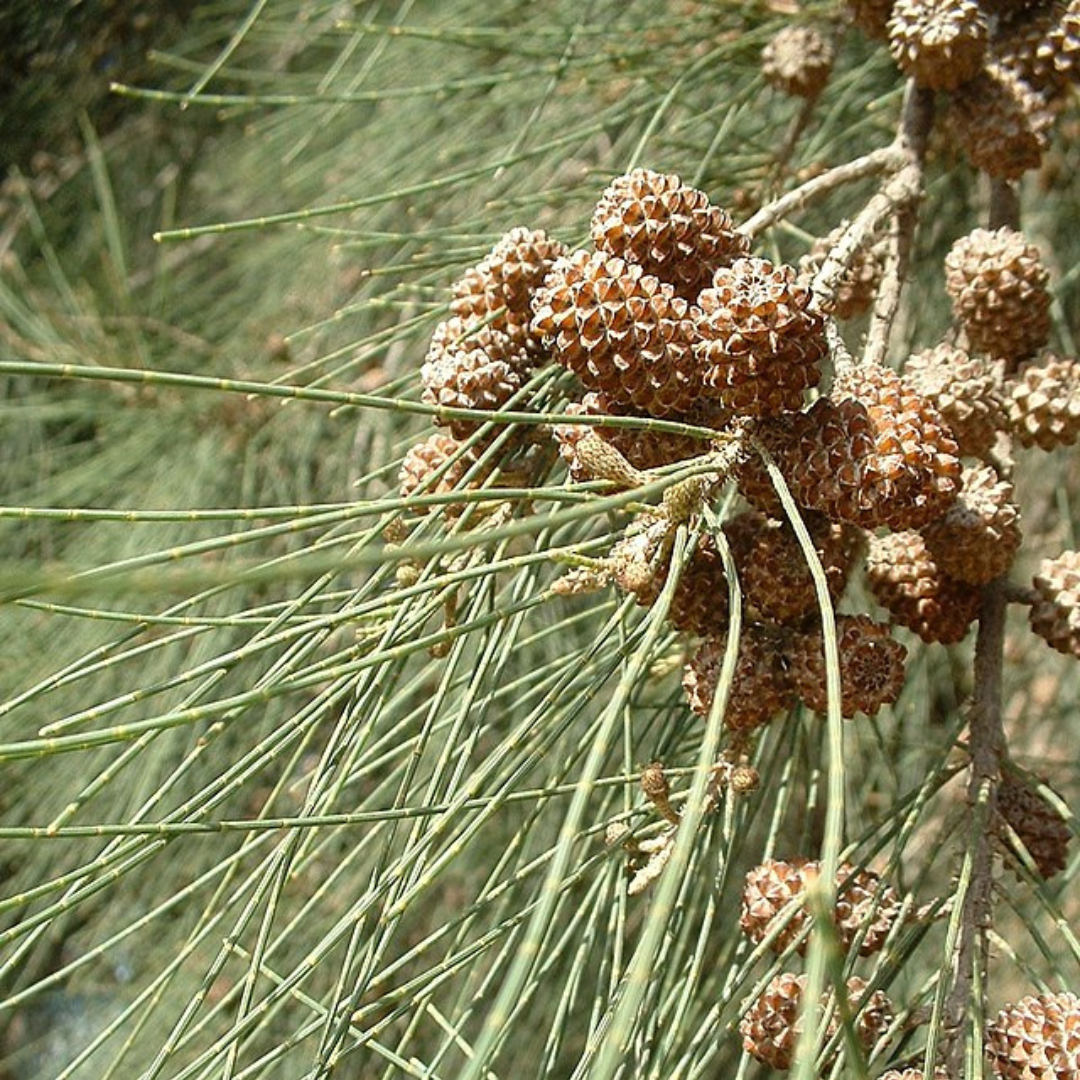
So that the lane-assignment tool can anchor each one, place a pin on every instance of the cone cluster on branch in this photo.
(669, 317)
(1006, 66)
(867, 910)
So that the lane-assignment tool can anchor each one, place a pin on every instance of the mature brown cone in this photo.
(771, 1028)
(1038, 1038)
(870, 16)
(1000, 123)
(760, 687)
(967, 391)
(622, 331)
(760, 338)
(977, 538)
(1042, 46)
(776, 581)
(857, 287)
(424, 459)
(1055, 609)
(643, 449)
(1040, 828)
(1044, 402)
(478, 370)
(998, 285)
(797, 60)
(639, 565)
(871, 666)
(904, 578)
(873, 453)
(498, 290)
(866, 908)
(939, 43)
(777, 434)
(668, 228)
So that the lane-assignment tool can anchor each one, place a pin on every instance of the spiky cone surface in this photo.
(1055, 610)
(870, 16)
(871, 666)
(772, 1025)
(875, 452)
(423, 460)
(643, 449)
(777, 584)
(760, 687)
(967, 390)
(1044, 402)
(1040, 828)
(977, 538)
(479, 370)
(906, 580)
(760, 338)
(777, 434)
(639, 565)
(798, 60)
(855, 291)
(1042, 46)
(668, 228)
(498, 291)
(866, 908)
(1037, 1038)
(1000, 123)
(998, 286)
(939, 43)
(622, 331)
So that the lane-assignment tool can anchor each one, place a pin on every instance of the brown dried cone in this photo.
(966, 390)
(1038, 1038)
(858, 286)
(771, 1028)
(866, 908)
(870, 16)
(905, 579)
(798, 60)
(873, 453)
(622, 331)
(1055, 608)
(760, 687)
(1040, 828)
(643, 449)
(1044, 402)
(939, 43)
(639, 565)
(761, 339)
(424, 459)
(998, 286)
(777, 434)
(479, 370)
(871, 666)
(498, 290)
(977, 538)
(1042, 46)
(1000, 123)
(666, 227)
(776, 581)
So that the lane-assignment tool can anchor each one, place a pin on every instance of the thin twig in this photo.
(986, 746)
(885, 159)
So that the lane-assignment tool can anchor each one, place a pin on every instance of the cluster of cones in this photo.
(1006, 66)
(1036, 1035)
(670, 316)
